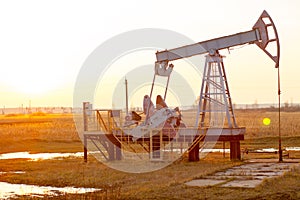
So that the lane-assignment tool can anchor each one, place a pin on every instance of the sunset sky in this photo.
(43, 44)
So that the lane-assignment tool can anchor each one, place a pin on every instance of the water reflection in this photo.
(292, 148)
(44, 156)
(9, 190)
(38, 156)
(16, 172)
(271, 150)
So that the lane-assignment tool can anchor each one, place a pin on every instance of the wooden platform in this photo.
(112, 143)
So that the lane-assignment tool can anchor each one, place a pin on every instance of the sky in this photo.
(43, 44)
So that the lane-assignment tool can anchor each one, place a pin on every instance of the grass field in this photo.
(57, 133)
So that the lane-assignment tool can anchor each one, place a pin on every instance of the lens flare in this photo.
(266, 121)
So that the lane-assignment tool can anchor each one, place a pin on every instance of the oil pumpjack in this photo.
(214, 90)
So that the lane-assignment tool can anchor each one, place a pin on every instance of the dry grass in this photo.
(253, 121)
(57, 133)
(47, 133)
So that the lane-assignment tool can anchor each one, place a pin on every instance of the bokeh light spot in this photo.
(266, 121)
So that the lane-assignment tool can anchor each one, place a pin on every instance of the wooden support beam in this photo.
(194, 153)
(235, 150)
(85, 148)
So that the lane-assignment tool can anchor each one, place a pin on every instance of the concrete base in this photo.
(243, 183)
(247, 176)
(204, 182)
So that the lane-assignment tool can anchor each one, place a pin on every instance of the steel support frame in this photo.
(207, 97)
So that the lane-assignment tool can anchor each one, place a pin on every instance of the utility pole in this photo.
(126, 91)
(279, 110)
(29, 107)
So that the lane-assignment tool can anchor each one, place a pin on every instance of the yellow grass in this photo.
(49, 133)
(253, 121)
(57, 133)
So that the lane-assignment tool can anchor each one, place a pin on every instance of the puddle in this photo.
(214, 150)
(267, 150)
(44, 156)
(205, 150)
(38, 156)
(292, 148)
(9, 190)
(272, 150)
(16, 172)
